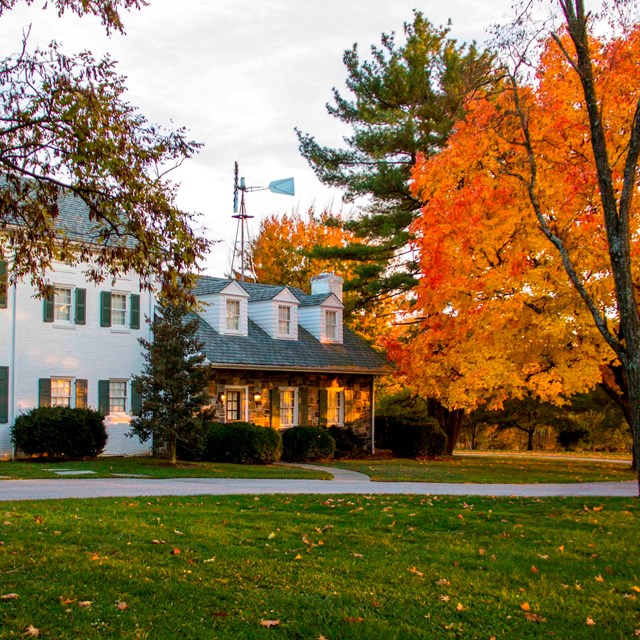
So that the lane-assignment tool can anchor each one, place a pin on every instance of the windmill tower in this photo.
(283, 187)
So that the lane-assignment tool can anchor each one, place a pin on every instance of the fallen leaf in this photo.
(635, 588)
(271, 536)
(210, 560)
(122, 606)
(599, 578)
(443, 582)
(321, 638)
(9, 596)
(533, 569)
(543, 556)
(358, 555)
(354, 620)
(534, 617)
(590, 621)
(38, 519)
(600, 508)
(298, 557)
(158, 542)
(32, 632)
(415, 572)
(178, 532)
(219, 614)
(66, 601)
(525, 606)
(175, 551)
(460, 606)
(269, 623)
(561, 548)
(445, 598)
(85, 604)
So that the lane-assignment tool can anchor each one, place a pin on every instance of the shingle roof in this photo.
(259, 350)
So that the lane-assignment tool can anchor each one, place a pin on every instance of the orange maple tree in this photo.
(517, 294)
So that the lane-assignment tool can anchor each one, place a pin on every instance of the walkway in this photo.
(344, 482)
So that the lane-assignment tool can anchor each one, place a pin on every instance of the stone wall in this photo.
(258, 386)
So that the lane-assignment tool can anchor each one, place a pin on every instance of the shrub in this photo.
(60, 432)
(348, 444)
(411, 438)
(242, 443)
(570, 436)
(305, 444)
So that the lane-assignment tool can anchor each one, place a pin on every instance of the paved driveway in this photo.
(344, 482)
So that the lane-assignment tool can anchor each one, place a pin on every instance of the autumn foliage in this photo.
(496, 315)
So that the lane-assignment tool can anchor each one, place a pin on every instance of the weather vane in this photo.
(283, 187)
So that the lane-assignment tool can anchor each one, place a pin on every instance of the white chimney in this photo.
(327, 283)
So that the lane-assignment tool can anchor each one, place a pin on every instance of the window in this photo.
(233, 403)
(60, 392)
(335, 407)
(284, 320)
(331, 325)
(233, 315)
(117, 396)
(288, 407)
(62, 304)
(118, 309)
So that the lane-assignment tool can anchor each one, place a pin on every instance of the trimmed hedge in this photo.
(305, 444)
(242, 443)
(348, 444)
(60, 432)
(411, 438)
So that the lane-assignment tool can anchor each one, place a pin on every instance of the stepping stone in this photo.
(129, 475)
(74, 472)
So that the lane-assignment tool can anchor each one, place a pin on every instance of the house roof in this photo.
(258, 350)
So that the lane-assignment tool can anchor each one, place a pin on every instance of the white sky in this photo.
(240, 75)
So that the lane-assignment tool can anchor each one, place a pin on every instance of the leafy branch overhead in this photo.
(66, 131)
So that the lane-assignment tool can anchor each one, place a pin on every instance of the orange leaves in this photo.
(9, 596)
(31, 632)
(416, 572)
(269, 624)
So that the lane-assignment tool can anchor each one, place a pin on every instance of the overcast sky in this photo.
(240, 75)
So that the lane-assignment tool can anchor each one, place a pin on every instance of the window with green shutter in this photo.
(44, 392)
(81, 306)
(105, 308)
(322, 406)
(303, 406)
(3, 284)
(134, 322)
(48, 305)
(4, 395)
(136, 400)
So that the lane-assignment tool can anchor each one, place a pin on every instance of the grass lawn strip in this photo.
(108, 467)
(491, 470)
(344, 567)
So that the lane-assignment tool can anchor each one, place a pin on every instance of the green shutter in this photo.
(105, 308)
(103, 396)
(303, 406)
(323, 401)
(274, 395)
(134, 322)
(44, 394)
(348, 406)
(82, 387)
(81, 306)
(136, 399)
(48, 305)
(4, 395)
(3, 284)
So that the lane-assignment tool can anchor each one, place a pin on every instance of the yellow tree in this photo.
(527, 235)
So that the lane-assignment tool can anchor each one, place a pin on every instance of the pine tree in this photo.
(174, 383)
(404, 101)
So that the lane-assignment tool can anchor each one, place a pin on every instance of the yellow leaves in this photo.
(635, 588)
(271, 536)
(599, 578)
(590, 621)
(460, 607)
(298, 557)
(415, 572)
(443, 582)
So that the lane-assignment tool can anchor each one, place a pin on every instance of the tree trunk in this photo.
(172, 450)
(450, 422)
(530, 434)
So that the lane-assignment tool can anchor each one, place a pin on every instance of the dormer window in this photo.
(331, 324)
(233, 315)
(284, 320)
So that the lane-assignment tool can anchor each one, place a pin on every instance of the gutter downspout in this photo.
(12, 375)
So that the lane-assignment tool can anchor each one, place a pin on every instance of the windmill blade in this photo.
(235, 189)
(284, 187)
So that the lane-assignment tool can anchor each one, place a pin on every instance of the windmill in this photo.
(283, 187)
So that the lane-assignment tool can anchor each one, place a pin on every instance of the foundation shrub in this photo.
(242, 443)
(306, 444)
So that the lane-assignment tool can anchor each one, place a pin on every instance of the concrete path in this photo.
(135, 487)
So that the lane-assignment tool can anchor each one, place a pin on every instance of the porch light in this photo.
(257, 397)
(221, 397)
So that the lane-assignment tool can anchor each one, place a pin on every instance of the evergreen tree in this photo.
(173, 385)
(404, 101)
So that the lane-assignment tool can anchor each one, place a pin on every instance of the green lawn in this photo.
(383, 567)
(155, 468)
(490, 469)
